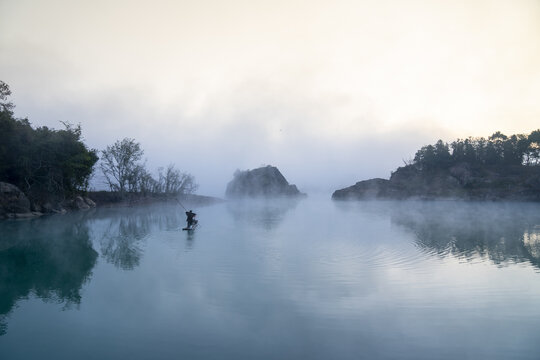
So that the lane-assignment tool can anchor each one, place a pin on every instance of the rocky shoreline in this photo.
(14, 204)
(459, 182)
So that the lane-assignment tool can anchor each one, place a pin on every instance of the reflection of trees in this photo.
(500, 232)
(171, 220)
(265, 213)
(126, 230)
(50, 258)
(53, 257)
(120, 243)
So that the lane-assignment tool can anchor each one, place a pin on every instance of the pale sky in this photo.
(330, 92)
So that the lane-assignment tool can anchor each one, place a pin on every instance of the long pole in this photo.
(181, 204)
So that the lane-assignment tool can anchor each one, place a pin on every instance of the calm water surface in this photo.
(308, 279)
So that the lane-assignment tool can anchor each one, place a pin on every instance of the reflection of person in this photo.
(190, 219)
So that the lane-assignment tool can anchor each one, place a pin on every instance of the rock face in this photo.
(368, 189)
(78, 203)
(262, 182)
(12, 200)
(461, 181)
(89, 202)
(15, 204)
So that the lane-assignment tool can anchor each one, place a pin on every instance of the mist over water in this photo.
(274, 279)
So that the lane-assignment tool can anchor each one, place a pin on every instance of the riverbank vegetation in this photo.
(125, 173)
(53, 167)
(497, 168)
(40, 161)
(498, 150)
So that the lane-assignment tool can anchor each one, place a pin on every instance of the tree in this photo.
(425, 157)
(442, 154)
(44, 161)
(146, 183)
(513, 150)
(5, 92)
(458, 150)
(533, 150)
(120, 164)
(175, 182)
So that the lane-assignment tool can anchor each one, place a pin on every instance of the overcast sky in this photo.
(330, 92)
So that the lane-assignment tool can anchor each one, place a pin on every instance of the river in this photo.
(281, 279)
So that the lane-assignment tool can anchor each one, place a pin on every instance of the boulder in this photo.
(57, 207)
(80, 204)
(47, 207)
(28, 215)
(262, 182)
(12, 200)
(89, 202)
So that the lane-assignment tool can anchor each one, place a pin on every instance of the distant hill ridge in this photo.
(496, 168)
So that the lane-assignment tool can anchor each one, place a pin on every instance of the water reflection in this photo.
(502, 233)
(122, 238)
(263, 213)
(49, 258)
(190, 240)
(322, 283)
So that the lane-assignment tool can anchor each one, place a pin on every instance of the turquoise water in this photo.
(309, 279)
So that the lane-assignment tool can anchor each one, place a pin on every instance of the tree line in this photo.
(125, 173)
(45, 162)
(41, 160)
(497, 150)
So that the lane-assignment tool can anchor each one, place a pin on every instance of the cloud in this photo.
(331, 93)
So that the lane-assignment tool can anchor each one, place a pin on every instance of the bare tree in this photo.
(120, 164)
(146, 184)
(187, 184)
(173, 181)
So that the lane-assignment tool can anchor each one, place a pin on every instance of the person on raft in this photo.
(190, 219)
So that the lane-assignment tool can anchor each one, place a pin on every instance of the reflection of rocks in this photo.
(50, 258)
(262, 213)
(501, 233)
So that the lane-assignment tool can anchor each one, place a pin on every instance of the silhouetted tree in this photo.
(533, 150)
(442, 154)
(497, 150)
(120, 164)
(42, 162)
(172, 181)
(5, 92)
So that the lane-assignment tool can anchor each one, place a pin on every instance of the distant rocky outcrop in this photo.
(461, 181)
(262, 182)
